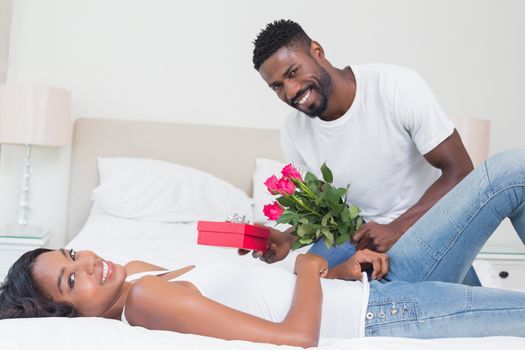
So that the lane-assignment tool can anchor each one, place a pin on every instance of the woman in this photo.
(229, 301)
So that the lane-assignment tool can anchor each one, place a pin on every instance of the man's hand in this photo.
(376, 237)
(362, 260)
(279, 245)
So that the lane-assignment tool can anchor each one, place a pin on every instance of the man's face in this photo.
(298, 79)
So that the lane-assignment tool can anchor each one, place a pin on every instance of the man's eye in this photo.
(276, 87)
(72, 254)
(71, 281)
(292, 73)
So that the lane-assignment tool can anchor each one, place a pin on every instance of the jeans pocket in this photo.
(390, 312)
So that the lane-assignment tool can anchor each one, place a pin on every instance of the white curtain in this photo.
(6, 7)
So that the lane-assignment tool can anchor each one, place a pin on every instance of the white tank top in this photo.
(267, 292)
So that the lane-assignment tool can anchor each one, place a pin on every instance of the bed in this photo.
(111, 156)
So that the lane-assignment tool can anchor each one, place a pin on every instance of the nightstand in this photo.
(510, 268)
(11, 248)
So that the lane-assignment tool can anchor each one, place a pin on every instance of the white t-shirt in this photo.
(266, 292)
(378, 145)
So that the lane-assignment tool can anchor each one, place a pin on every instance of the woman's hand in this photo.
(362, 260)
(311, 262)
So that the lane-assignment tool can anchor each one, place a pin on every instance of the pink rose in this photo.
(290, 172)
(272, 184)
(285, 186)
(273, 211)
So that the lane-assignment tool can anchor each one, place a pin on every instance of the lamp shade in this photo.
(34, 115)
(475, 134)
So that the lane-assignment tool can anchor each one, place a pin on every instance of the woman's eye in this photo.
(72, 254)
(71, 281)
(293, 73)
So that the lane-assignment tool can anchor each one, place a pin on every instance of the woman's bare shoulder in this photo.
(152, 297)
(136, 266)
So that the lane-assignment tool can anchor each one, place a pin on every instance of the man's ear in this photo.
(316, 50)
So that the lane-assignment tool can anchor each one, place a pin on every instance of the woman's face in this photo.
(83, 279)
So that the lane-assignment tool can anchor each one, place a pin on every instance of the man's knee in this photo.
(507, 165)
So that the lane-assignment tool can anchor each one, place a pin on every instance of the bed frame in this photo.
(227, 152)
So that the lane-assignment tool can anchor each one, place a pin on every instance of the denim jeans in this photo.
(441, 246)
(337, 254)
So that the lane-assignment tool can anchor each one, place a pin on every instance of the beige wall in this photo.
(190, 61)
(5, 24)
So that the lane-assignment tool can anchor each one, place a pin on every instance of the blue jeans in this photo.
(443, 310)
(441, 246)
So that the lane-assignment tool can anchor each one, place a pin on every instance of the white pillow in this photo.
(155, 190)
(264, 168)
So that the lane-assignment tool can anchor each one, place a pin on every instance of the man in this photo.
(378, 127)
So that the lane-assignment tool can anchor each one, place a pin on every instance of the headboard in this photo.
(227, 152)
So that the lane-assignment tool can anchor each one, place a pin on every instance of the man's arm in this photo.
(451, 157)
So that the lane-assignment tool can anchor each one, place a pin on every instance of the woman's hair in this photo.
(21, 296)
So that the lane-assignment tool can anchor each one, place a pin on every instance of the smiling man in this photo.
(377, 126)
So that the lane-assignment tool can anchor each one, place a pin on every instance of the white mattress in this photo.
(171, 246)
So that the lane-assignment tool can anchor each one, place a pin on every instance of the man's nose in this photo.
(292, 87)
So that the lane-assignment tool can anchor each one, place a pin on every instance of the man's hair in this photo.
(276, 35)
(20, 295)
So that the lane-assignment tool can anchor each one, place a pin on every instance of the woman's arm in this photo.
(352, 268)
(157, 304)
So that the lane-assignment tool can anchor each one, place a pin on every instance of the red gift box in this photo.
(230, 234)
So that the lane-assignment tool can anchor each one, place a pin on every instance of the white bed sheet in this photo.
(171, 246)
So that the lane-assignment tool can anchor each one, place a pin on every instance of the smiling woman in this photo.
(232, 300)
(94, 285)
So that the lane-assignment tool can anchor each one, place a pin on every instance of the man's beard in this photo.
(323, 90)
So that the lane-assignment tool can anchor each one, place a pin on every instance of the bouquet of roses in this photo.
(314, 207)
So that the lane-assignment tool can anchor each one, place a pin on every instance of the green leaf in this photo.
(342, 239)
(303, 220)
(305, 240)
(287, 217)
(324, 220)
(305, 229)
(296, 244)
(337, 209)
(358, 223)
(354, 211)
(310, 178)
(343, 229)
(318, 233)
(327, 173)
(286, 201)
(346, 217)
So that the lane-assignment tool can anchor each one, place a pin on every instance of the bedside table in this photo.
(510, 268)
(11, 248)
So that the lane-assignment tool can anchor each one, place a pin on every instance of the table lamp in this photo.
(32, 116)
